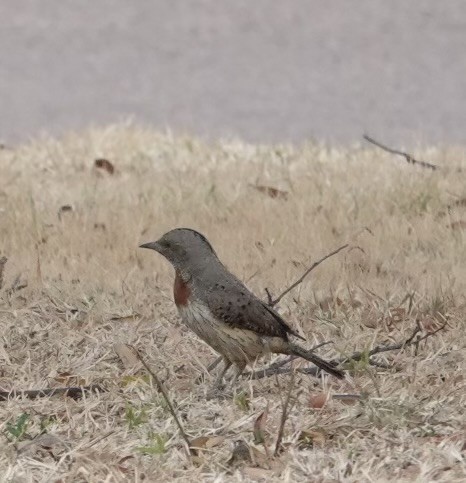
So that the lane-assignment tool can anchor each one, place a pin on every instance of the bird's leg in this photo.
(216, 390)
(214, 364)
(209, 369)
(218, 381)
(239, 370)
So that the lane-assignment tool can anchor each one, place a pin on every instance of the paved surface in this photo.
(264, 70)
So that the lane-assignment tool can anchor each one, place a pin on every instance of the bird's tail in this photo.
(320, 363)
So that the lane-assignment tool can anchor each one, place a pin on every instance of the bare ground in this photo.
(89, 287)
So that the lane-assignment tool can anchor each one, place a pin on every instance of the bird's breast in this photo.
(181, 290)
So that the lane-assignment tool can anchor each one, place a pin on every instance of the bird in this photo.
(222, 311)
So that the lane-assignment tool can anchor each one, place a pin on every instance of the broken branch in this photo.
(3, 261)
(73, 392)
(164, 393)
(272, 302)
(409, 159)
(285, 411)
(277, 368)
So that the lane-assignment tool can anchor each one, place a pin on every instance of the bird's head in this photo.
(184, 248)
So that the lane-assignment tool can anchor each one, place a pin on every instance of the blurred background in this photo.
(262, 71)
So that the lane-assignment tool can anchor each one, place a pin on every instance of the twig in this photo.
(387, 348)
(284, 416)
(3, 261)
(273, 368)
(269, 297)
(270, 370)
(393, 347)
(356, 356)
(16, 286)
(164, 393)
(409, 159)
(73, 392)
(273, 302)
(411, 340)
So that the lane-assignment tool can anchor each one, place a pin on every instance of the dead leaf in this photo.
(127, 356)
(370, 318)
(205, 442)
(105, 165)
(214, 441)
(260, 246)
(69, 379)
(121, 467)
(271, 192)
(319, 400)
(309, 438)
(259, 426)
(458, 225)
(125, 458)
(64, 209)
(429, 323)
(198, 444)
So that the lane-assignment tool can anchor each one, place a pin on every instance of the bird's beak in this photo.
(152, 245)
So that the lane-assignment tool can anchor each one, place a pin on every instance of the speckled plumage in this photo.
(220, 309)
(238, 345)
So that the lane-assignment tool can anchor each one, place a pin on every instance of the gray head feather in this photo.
(185, 249)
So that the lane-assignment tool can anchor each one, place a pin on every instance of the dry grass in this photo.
(89, 287)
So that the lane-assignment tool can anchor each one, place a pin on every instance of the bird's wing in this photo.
(238, 307)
